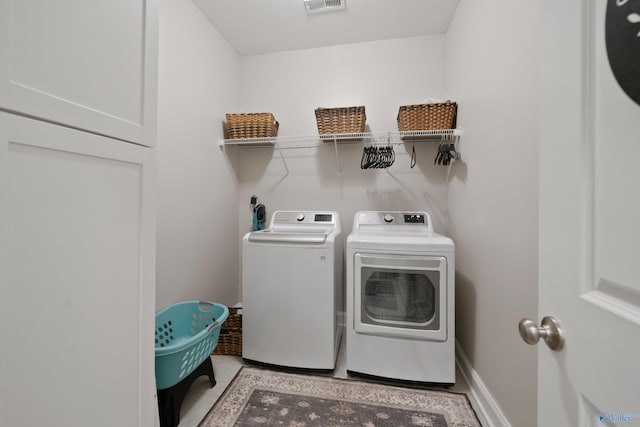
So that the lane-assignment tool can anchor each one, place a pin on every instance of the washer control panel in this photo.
(303, 217)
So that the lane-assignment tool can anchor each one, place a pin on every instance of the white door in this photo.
(590, 212)
(77, 272)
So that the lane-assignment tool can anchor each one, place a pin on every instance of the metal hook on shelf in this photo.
(412, 162)
(446, 154)
(377, 156)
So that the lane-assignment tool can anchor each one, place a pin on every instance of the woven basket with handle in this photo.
(230, 338)
(251, 125)
(340, 120)
(434, 116)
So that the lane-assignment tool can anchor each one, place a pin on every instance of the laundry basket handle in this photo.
(205, 306)
(209, 308)
(212, 325)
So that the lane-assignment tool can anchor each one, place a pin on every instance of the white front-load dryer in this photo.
(292, 291)
(400, 298)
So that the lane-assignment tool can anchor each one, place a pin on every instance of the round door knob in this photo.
(300, 217)
(388, 218)
(549, 330)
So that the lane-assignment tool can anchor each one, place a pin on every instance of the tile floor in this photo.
(201, 396)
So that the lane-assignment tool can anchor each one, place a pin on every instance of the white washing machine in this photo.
(400, 298)
(292, 291)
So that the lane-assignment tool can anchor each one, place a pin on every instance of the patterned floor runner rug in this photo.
(259, 397)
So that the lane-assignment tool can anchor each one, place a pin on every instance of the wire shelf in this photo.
(281, 143)
(345, 137)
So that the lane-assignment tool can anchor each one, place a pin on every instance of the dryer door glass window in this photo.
(400, 298)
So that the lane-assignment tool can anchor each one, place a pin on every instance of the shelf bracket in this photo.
(284, 162)
(335, 146)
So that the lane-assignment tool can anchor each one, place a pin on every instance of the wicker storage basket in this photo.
(230, 339)
(434, 116)
(251, 125)
(340, 120)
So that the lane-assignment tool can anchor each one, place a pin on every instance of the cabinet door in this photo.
(86, 64)
(77, 255)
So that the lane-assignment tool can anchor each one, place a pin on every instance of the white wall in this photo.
(197, 189)
(379, 75)
(487, 62)
(492, 69)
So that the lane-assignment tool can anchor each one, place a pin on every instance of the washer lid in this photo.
(270, 236)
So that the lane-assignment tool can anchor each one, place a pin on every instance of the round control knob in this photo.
(388, 218)
(300, 217)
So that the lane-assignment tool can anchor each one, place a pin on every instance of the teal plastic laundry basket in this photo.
(186, 334)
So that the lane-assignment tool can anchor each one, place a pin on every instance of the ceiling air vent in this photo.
(317, 6)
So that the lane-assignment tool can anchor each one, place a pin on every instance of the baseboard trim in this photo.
(488, 409)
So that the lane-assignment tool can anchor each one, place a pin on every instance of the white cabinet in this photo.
(77, 271)
(77, 212)
(86, 64)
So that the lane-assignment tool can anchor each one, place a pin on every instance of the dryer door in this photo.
(401, 296)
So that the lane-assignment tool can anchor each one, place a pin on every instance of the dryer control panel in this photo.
(416, 221)
(414, 218)
(393, 218)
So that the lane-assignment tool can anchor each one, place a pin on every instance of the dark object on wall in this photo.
(446, 154)
(259, 214)
(622, 35)
(377, 157)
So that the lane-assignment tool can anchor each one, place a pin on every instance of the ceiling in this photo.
(264, 26)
